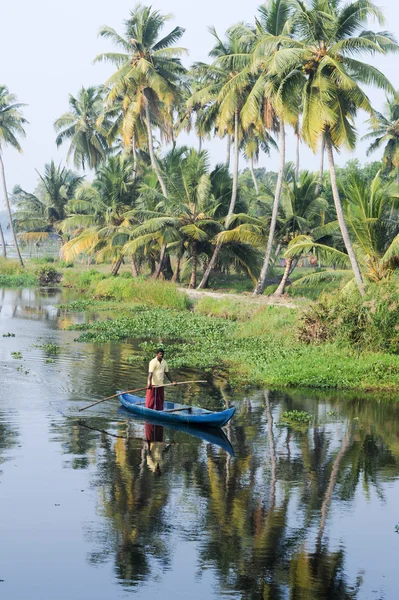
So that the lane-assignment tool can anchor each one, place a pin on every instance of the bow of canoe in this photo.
(177, 413)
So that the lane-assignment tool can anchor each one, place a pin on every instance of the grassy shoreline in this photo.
(248, 342)
(248, 345)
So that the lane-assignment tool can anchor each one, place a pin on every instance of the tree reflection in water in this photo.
(259, 520)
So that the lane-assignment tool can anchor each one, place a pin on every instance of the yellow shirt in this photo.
(158, 369)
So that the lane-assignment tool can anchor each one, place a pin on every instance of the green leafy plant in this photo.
(297, 416)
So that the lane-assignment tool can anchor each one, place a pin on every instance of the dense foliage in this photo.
(168, 212)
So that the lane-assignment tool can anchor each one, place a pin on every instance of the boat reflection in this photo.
(154, 432)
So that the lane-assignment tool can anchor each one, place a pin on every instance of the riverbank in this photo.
(246, 343)
(249, 341)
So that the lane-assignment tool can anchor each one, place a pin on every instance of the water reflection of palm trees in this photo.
(263, 516)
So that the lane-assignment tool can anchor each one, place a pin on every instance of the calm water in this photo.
(98, 505)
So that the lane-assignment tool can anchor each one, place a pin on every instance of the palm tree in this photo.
(186, 218)
(375, 232)
(329, 35)
(385, 132)
(39, 213)
(11, 126)
(96, 215)
(301, 210)
(273, 95)
(226, 85)
(148, 66)
(87, 139)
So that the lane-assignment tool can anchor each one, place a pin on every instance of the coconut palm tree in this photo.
(226, 85)
(39, 213)
(272, 95)
(96, 215)
(148, 66)
(385, 133)
(186, 218)
(322, 57)
(80, 127)
(368, 213)
(301, 211)
(11, 126)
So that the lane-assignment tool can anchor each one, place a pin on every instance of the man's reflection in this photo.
(155, 447)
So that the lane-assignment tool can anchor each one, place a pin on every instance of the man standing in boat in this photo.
(157, 370)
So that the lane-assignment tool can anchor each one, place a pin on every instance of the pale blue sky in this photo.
(47, 48)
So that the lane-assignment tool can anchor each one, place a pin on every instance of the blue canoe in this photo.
(191, 415)
(214, 435)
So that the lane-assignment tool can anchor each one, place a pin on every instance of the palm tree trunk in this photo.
(331, 485)
(161, 260)
(279, 186)
(251, 168)
(280, 290)
(116, 266)
(194, 262)
(321, 169)
(200, 143)
(3, 243)
(7, 201)
(134, 153)
(211, 264)
(341, 218)
(151, 149)
(298, 141)
(133, 266)
(176, 274)
(228, 152)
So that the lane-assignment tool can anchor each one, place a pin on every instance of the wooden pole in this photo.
(140, 390)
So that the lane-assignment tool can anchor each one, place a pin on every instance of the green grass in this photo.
(262, 349)
(25, 280)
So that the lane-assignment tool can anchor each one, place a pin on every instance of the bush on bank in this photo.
(363, 323)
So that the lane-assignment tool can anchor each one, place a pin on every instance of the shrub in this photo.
(63, 264)
(48, 276)
(365, 323)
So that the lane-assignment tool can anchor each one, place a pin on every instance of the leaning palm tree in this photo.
(272, 95)
(328, 37)
(11, 126)
(385, 133)
(148, 67)
(87, 141)
(226, 85)
(368, 213)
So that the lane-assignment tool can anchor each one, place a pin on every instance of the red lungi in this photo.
(153, 433)
(154, 398)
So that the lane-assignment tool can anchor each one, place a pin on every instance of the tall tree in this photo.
(11, 126)
(80, 127)
(273, 95)
(329, 35)
(226, 84)
(148, 66)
